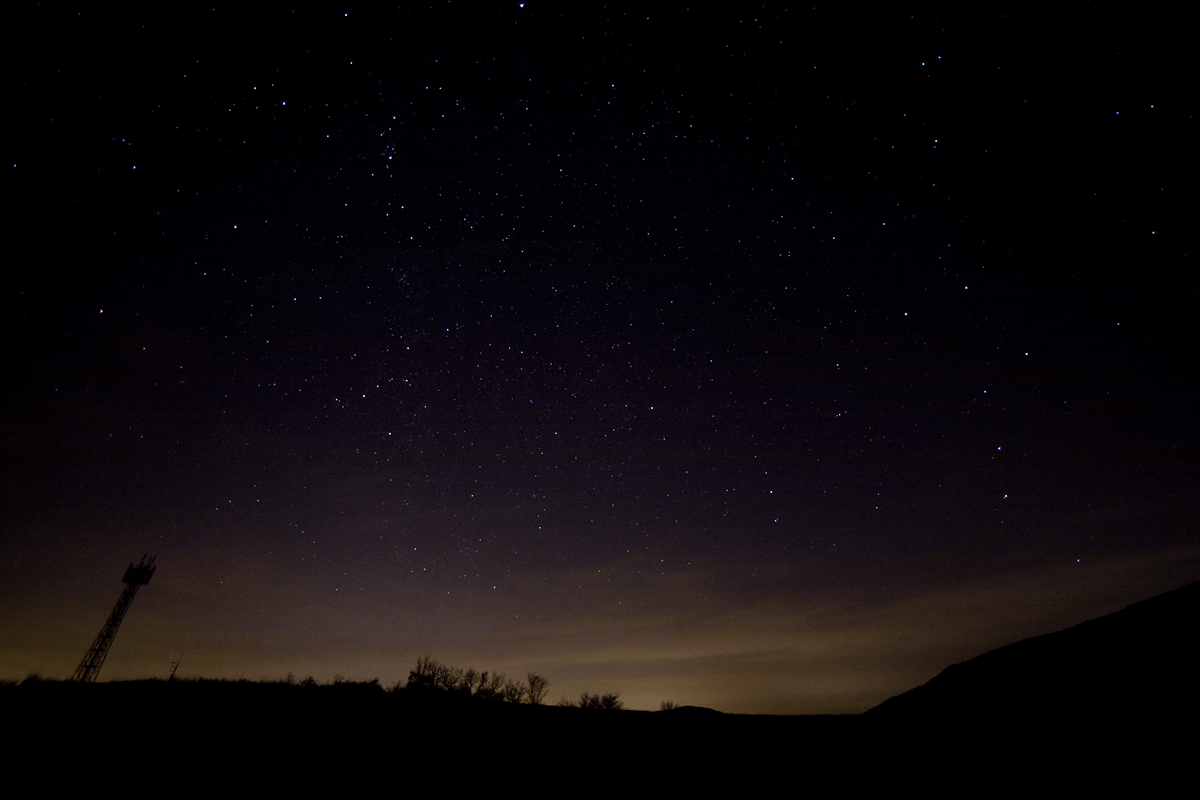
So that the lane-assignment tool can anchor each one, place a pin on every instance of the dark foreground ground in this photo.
(358, 739)
(1110, 704)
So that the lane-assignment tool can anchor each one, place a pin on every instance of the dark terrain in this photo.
(1110, 699)
(1137, 666)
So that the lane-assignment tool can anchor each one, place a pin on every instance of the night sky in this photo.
(769, 359)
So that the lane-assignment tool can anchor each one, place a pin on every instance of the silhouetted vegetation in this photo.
(538, 686)
(595, 701)
(432, 677)
(601, 702)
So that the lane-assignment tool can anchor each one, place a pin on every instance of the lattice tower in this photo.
(135, 578)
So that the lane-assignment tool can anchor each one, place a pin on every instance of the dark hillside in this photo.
(1137, 665)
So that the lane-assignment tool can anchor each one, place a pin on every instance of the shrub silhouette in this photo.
(431, 676)
(601, 702)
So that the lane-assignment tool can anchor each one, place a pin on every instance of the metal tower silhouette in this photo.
(135, 578)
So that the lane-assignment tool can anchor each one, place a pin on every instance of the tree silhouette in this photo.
(430, 675)
(514, 691)
(490, 688)
(538, 686)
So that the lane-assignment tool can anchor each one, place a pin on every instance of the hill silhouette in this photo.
(1136, 665)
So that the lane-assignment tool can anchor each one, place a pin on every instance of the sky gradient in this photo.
(765, 360)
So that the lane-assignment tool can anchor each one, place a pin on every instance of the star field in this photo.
(769, 359)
